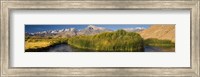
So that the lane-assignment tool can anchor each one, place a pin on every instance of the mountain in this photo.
(56, 33)
(154, 31)
(160, 32)
(67, 33)
(92, 30)
(137, 29)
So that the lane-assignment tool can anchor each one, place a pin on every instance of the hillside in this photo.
(163, 32)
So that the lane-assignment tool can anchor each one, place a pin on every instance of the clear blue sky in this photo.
(44, 27)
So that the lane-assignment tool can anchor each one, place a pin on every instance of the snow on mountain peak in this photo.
(93, 27)
(134, 29)
(139, 28)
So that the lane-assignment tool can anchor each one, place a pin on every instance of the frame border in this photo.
(8, 5)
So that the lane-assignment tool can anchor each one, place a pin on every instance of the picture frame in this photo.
(8, 5)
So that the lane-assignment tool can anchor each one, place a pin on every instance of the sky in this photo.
(31, 28)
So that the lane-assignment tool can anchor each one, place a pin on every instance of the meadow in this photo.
(35, 42)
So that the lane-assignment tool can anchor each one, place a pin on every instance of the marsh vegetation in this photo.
(118, 41)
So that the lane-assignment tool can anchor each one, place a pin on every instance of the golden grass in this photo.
(35, 45)
(42, 42)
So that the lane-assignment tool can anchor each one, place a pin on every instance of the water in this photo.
(61, 48)
(68, 48)
(153, 49)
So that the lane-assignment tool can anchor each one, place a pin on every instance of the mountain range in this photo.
(154, 31)
(69, 32)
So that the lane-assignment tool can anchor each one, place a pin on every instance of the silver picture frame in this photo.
(8, 5)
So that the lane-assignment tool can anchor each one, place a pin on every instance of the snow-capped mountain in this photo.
(89, 30)
(92, 30)
(137, 29)
(62, 32)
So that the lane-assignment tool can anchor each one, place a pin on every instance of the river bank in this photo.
(68, 48)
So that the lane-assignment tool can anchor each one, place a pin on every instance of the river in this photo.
(68, 48)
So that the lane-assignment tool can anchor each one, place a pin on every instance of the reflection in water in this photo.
(60, 48)
(152, 49)
(68, 48)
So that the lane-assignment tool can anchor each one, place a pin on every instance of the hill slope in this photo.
(166, 32)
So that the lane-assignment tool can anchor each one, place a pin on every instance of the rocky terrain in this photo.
(160, 32)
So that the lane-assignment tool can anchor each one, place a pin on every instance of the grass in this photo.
(35, 43)
(159, 43)
(118, 41)
(108, 41)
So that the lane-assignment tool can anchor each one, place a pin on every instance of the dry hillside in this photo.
(159, 32)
